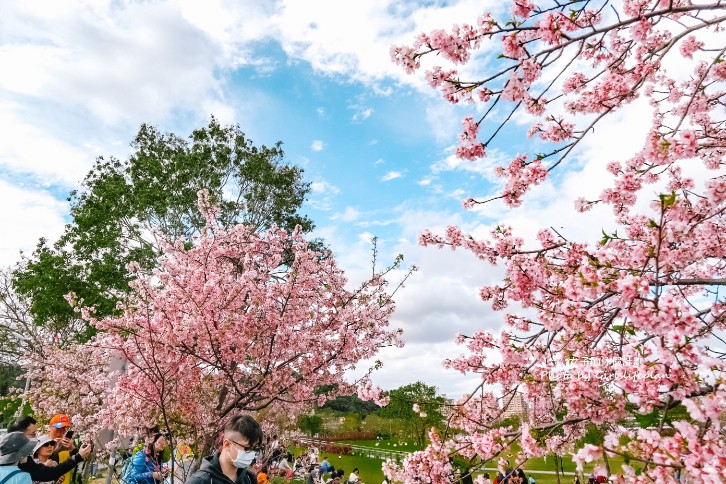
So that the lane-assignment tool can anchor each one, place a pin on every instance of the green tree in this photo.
(310, 424)
(430, 405)
(9, 400)
(352, 422)
(124, 208)
(351, 404)
(383, 427)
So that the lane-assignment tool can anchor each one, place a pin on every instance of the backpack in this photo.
(125, 472)
(7, 478)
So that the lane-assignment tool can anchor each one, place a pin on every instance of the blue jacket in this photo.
(19, 478)
(141, 468)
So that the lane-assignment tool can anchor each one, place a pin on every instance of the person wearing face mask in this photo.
(15, 447)
(230, 465)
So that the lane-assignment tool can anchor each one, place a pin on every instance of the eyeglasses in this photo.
(246, 448)
(49, 444)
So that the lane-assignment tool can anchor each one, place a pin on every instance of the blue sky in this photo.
(80, 76)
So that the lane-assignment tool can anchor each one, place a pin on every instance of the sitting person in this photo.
(353, 477)
(335, 477)
(283, 467)
(312, 474)
(145, 467)
(325, 466)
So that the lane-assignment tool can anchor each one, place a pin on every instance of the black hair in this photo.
(22, 424)
(151, 444)
(247, 427)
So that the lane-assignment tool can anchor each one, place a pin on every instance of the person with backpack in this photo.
(15, 447)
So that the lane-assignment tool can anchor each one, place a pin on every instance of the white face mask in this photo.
(244, 459)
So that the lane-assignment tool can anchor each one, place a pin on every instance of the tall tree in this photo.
(312, 425)
(351, 404)
(418, 406)
(124, 209)
(240, 320)
(631, 323)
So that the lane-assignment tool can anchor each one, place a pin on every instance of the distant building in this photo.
(447, 407)
(515, 405)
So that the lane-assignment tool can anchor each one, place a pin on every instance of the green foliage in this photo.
(654, 418)
(384, 428)
(352, 423)
(401, 408)
(310, 424)
(9, 375)
(351, 404)
(514, 421)
(594, 435)
(9, 402)
(124, 206)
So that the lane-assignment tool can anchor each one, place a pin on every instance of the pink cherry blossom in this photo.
(625, 326)
(239, 322)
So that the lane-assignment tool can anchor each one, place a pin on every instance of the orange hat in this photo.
(61, 420)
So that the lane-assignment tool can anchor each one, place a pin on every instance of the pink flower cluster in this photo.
(238, 322)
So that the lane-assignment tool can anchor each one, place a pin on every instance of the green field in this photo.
(370, 468)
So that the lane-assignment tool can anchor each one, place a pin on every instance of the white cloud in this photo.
(349, 215)
(426, 358)
(119, 61)
(483, 166)
(27, 215)
(391, 175)
(362, 115)
(30, 148)
(317, 145)
(366, 237)
(322, 194)
(312, 31)
(324, 187)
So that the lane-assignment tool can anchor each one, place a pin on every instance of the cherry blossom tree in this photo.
(235, 320)
(624, 332)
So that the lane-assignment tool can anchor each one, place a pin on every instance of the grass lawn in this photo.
(399, 445)
(370, 468)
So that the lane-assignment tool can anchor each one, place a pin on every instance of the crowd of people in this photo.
(243, 456)
(51, 458)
